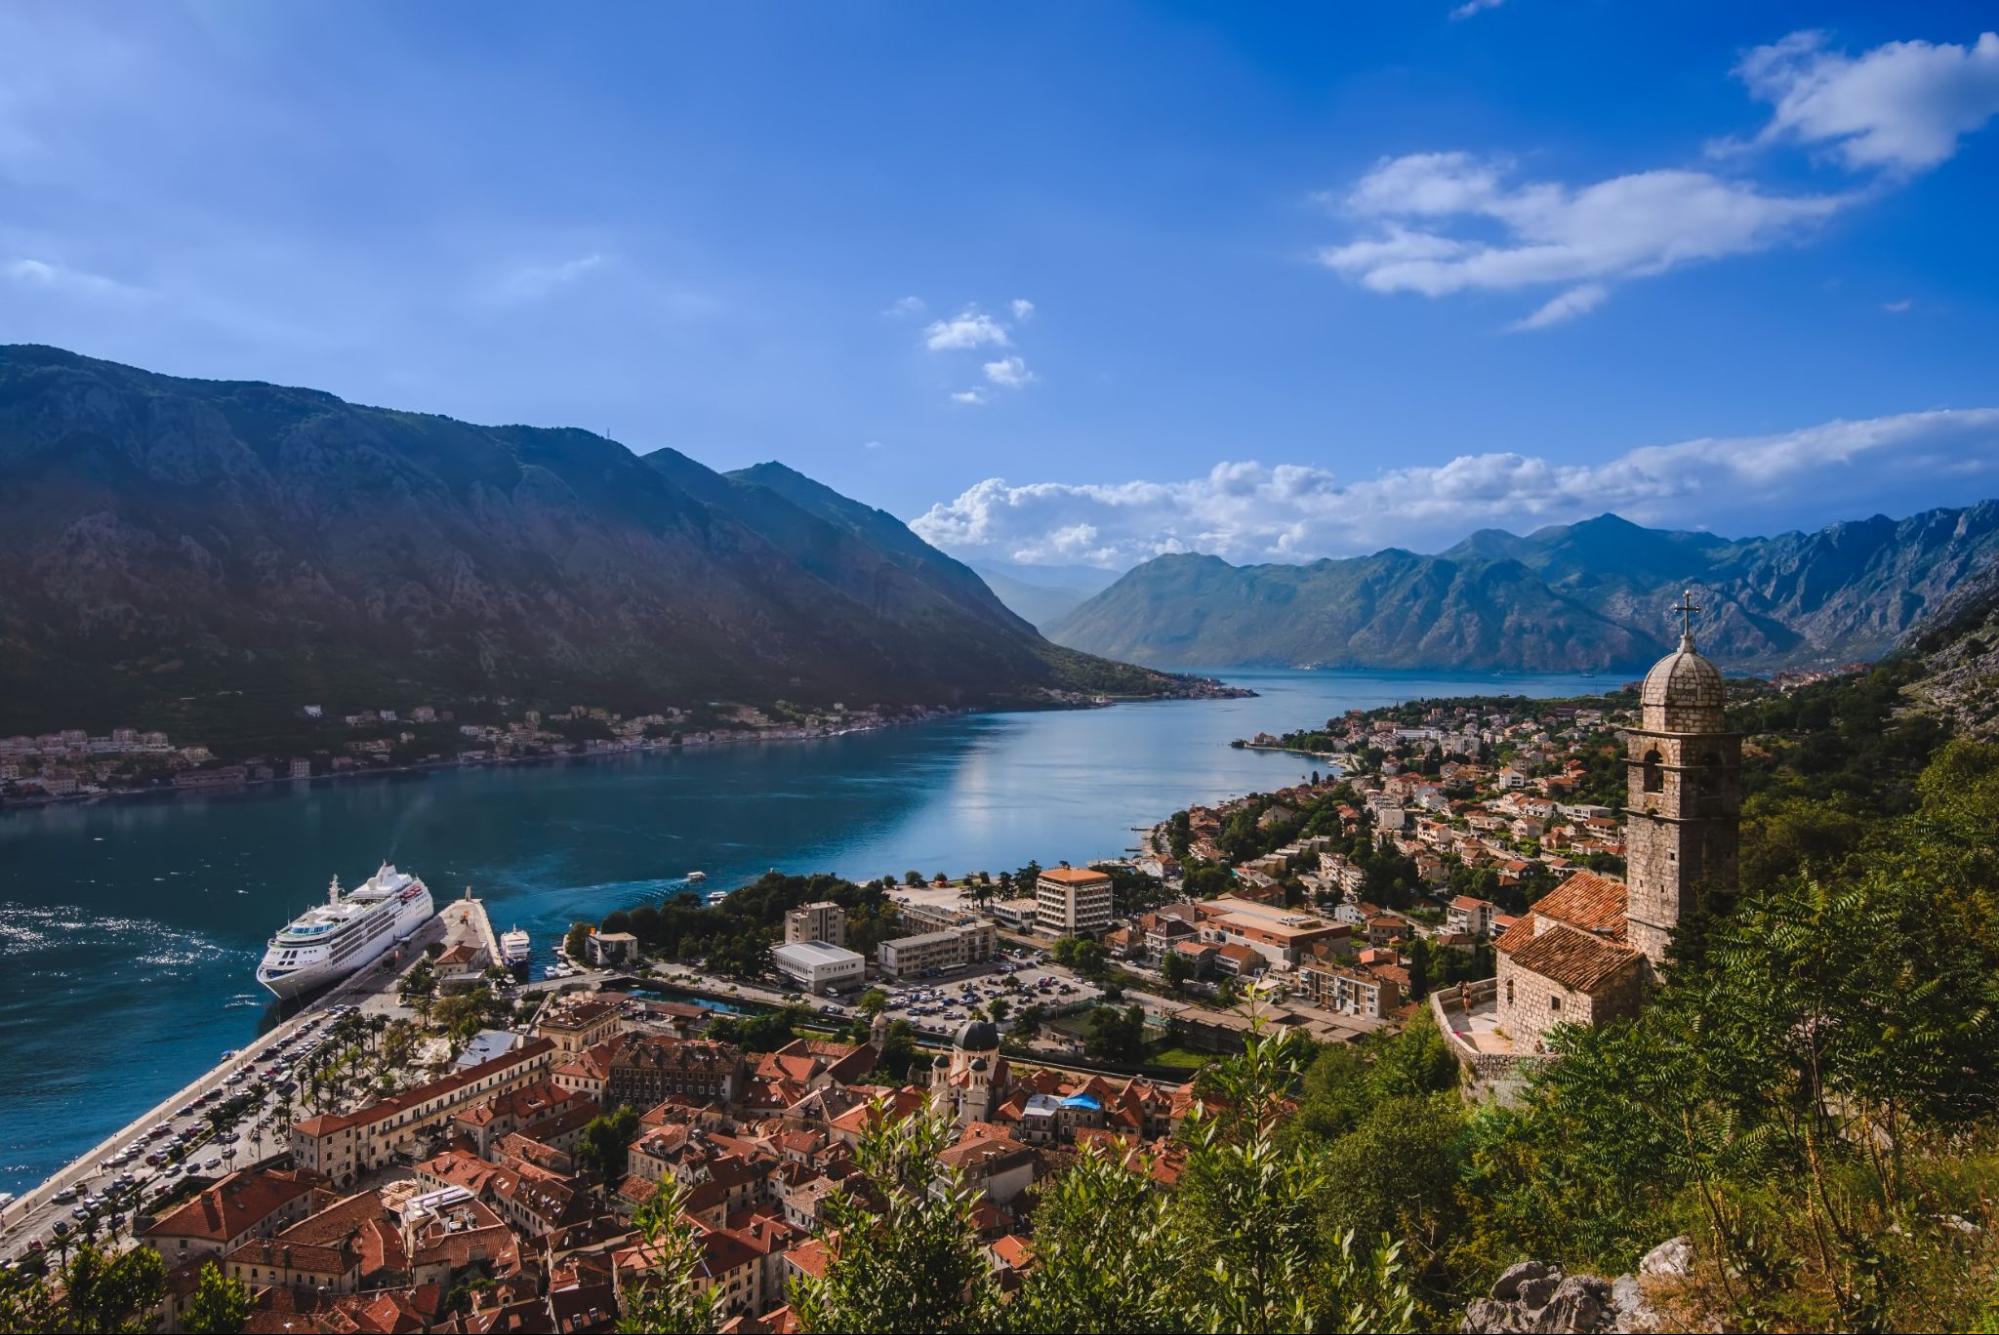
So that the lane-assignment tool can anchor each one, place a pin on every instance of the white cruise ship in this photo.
(349, 931)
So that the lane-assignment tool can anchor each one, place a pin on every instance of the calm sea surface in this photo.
(129, 929)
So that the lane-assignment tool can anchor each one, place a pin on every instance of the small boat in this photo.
(715, 897)
(696, 877)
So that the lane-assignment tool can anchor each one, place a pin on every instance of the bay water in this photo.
(130, 928)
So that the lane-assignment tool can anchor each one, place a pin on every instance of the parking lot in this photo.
(150, 1163)
(1021, 977)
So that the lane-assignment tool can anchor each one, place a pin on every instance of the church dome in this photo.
(977, 1036)
(940, 1061)
(1683, 692)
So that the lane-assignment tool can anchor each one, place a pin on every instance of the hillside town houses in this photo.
(471, 1203)
(1510, 865)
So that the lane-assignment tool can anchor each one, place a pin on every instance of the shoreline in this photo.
(767, 737)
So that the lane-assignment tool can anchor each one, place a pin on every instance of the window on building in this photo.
(1655, 774)
(1554, 1003)
(1509, 991)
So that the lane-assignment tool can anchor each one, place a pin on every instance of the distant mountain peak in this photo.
(1592, 594)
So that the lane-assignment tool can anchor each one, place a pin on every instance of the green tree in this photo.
(1116, 1035)
(1176, 969)
(906, 1257)
(218, 1306)
(899, 1050)
(575, 943)
(104, 1292)
(418, 988)
(873, 1002)
(1250, 1210)
(670, 1298)
(1104, 1256)
(605, 1141)
(1419, 968)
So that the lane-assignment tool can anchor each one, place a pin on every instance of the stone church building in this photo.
(1586, 952)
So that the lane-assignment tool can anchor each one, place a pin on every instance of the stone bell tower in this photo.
(1685, 800)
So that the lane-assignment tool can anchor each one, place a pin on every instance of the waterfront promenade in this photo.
(37, 1213)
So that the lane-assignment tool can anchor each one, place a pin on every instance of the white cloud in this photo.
(1471, 7)
(1625, 227)
(1009, 373)
(1246, 511)
(532, 282)
(974, 397)
(907, 306)
(40, 275)
(1022, 308)
(1896, 109)
(970, 328)
(1566, 306)
(1902, 106)
(871, 445)
(1901, 307)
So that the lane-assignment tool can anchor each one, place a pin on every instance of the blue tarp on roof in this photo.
(1083, 1101)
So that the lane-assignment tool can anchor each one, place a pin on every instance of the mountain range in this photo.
(166, 541)
(1586, 596)
(1044, 594)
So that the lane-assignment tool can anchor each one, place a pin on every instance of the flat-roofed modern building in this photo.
(824, 922)
(968, 942)
(819, 966)
(1072, 901)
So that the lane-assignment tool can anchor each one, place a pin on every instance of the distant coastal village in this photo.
(440, 1145)
(71, 764)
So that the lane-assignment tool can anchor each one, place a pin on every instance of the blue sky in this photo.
(1067, 283)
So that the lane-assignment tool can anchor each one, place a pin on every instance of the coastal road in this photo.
(258, 1068)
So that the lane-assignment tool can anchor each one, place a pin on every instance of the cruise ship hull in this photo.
(299, 982)
(329, 944)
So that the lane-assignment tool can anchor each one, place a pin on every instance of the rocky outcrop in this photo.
(1537, 1297)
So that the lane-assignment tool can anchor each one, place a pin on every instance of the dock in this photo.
(470, 914)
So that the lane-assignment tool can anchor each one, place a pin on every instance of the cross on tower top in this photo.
(1686, 607)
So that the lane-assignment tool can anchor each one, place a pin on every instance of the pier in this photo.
(469, 915)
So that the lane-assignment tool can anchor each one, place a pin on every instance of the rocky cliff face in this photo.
(165, 539)
(1957, 655)
(1582, 596)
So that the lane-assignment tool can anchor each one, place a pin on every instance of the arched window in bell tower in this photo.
(1655, 773)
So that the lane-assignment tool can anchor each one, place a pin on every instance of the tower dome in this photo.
(1683, 692)
(977, 1036)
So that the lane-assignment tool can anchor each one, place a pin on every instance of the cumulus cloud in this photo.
(906, 306)
(1009, 373)
(1450, 222)
(1902, 106)
(1246, 511)
(970, 397)
(1022, 308)
(1471, 7)
(969, 328)
(1436, 210)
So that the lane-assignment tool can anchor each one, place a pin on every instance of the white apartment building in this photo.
(1072, 901)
